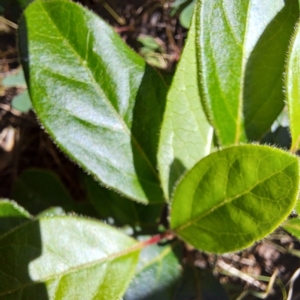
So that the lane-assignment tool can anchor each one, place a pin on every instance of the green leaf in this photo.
(22, 102)
(177, 4)
(187, 14)
(159, 276)
(149, 42)
(37, 190)
(15, 80)
(189, 285)
(66, 258)
(95, 96)
(235, 197)
(297, 207)
(11, 215)
(185, 135)
(157, 273)
(199, 284)
(51, 212)
(293, 89)
(293, 227)
(154, 59)
(242, 48)
(123, 211)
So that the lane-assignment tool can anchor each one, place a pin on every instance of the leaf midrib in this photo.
(243, 66)
(227, 201)
(242, 79)
(134, 248)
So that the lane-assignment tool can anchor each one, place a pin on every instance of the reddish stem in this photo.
(157, 238)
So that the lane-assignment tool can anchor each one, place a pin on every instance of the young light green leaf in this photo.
(149, 42)
(157, 273)
(186, 15)
(293, 89)
(242, 47)
(11, 215)
(293, 227)
(66, 258)
(235, 197)
(37, 190)
(16, 79)
(95, 96)
(177, 5)
(22, 102)
(186, 134)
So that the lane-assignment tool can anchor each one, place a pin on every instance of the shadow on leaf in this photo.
(20, 245)
(147, 119)
(263, 86)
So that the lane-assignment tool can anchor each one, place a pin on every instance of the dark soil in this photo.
(32, 147)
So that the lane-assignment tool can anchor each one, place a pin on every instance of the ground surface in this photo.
(28, 146)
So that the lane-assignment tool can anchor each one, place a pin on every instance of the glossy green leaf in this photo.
(157, 273)
(11, 215)
(235, 197)
(111, 205)
(293, 89)
(37, 190)
(95, 96)
(186, 134)
(51, 212)
(293, 227)
(242, 48)
(66, 258)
